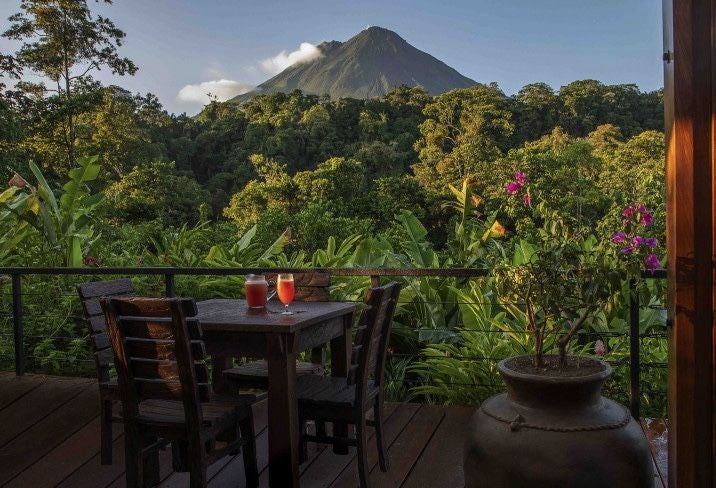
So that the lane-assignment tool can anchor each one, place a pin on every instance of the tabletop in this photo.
(234, 316)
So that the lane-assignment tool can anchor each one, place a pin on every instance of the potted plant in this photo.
(552, 427)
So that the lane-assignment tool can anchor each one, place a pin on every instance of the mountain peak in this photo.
(378, 32)
(368, 65)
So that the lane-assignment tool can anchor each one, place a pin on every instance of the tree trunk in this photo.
(71, 135)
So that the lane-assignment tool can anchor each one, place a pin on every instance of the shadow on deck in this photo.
(49, 436)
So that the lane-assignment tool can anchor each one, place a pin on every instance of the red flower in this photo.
(91, 261)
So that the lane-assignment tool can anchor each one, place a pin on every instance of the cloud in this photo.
(306, 52)
(222, 89)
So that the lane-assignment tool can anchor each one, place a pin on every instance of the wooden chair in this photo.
(90, 294)
(165, 391)
(310, 287)
(331, 399)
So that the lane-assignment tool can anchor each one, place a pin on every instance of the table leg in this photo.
(282, 410)
(341, 348)
(218, 381)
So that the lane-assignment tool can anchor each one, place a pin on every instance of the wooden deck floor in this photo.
(49, 436)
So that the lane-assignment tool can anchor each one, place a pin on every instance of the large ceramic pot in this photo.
(555, 431)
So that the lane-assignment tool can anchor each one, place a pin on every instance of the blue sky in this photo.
(177, 43)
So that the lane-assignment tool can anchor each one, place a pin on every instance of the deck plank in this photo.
(64, 460)
(41, 438)
(59, 446)
(404, 414)
(408, 447)
(92, 474)
(15, 387)
(36, 405)
(440, 464)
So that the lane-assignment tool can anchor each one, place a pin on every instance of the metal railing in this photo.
(169, 275)
(635, 344)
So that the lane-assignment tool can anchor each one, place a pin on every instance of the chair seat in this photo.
(333, 390)
(218, 413)
(256, 372)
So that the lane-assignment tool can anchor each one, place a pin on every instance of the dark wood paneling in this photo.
(690, 237)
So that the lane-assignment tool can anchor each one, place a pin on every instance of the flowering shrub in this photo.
(519, 185)
(636, 248)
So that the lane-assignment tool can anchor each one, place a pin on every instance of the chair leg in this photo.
(383, 459)
(197, 466)
(133, 461)
(179, 456)
(362, 454)
(249, 451)
(303, 444)
(150, 464)
(320, 428)
(106, 432)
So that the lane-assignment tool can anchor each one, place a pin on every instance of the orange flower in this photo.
(497, 229)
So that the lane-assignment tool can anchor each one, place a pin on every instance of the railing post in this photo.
(18, 335)
(634, 351)
(169, 285)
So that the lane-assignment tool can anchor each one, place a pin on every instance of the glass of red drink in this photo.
(256, 291)
(285, 291)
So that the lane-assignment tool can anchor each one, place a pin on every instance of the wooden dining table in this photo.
(231, 330)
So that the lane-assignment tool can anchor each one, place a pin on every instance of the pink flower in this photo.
(520, 177)
(513, 188)
(627, 249)
(600, 348)
(628, 213)
(637, 241)
(652, 262)
(647, 219)
(651, 241)
(642, 208)
(618, 237)
(527, 200)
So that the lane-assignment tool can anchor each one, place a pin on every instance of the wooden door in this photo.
(689, 109)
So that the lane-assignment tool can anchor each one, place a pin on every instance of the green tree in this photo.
(337, 181)
(115, 131)
(464, 130)
(155, 191)
(536, 111)
(63, 43)
(274, 191)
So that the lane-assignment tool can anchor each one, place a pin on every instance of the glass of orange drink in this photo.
(285, 291)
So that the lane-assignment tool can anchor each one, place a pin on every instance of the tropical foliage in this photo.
(529, 188)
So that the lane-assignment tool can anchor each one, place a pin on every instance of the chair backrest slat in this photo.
(90, 294)
(155, 355)
(372, 336)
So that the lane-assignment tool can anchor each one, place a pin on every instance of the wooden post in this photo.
(689, 108)
(169, 285)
